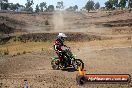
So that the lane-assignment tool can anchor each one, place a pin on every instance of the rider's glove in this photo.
(64, 45)
(60, 51)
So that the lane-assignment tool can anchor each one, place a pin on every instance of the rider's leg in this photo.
(67, 59)
(59, 56)
(63, 59)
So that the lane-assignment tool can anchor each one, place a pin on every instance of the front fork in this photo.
(72, 61)
(55, 60)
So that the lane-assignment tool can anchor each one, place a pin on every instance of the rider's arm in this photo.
(57, 46)
(64, 45)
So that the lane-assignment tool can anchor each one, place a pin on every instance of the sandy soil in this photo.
(36, 69)
(100, 56)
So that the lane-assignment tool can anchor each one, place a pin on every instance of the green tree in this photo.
(37, 8)
(109, 4)
(50, 8)
(60, 5)
(115, 3)
(15, 6)
(4, 4)
(90, 5)
(122, 3)
(70, 8)
(3, 1)
(29, 5)
(75, 7)
(130, 4)
(97, 5)
(42, 6)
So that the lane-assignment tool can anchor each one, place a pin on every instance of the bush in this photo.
(46, 22)
(6, 52)
(18, 53)
(24, 52)
(14, 55)
(14, 39)
(42, 49)
(0, 52)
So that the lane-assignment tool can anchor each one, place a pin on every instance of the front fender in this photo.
(73, 57)
(54, 58)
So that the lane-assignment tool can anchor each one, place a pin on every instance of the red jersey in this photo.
(58, 44)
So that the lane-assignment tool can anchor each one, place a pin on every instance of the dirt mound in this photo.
(37, 37)
(117, 12)
(10, 25)
(122, 31)
(6, 29)
(119, 23)
(36, 69)
(5, 32)
(5, 19)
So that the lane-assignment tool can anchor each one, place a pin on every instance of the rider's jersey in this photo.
(58, 44)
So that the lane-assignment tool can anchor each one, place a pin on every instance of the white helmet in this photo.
(62, 35)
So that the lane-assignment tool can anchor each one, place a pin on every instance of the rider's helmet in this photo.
(61, 36)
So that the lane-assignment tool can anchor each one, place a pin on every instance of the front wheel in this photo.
(78, 63)
(55, 64)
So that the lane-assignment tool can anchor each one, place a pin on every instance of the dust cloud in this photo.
(58, 21)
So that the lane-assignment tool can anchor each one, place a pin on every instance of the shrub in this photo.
(6, 52)
(18, 53)
(42, 49)
(46, 22)
(24, 52)
(14, 55)
(0, 52)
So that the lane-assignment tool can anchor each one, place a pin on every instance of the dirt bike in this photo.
(70, 61)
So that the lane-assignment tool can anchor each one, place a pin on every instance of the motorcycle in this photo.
(70, 61)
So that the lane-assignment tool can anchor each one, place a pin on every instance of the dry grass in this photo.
(19, 47)
(15, 48)
(103, 43)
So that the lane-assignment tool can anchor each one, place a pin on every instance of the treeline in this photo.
(5, 5)
(109, 5)
(42, 7)
(113, 4)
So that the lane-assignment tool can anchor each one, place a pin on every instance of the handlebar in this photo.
(67, 47)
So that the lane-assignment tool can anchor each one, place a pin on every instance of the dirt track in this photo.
(35, 67)
(100, 56)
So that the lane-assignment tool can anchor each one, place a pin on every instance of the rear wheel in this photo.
(78, 64)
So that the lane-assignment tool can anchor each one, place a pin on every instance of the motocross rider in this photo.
(58, 44)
